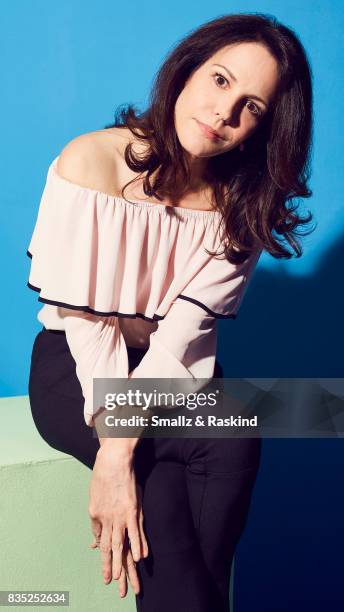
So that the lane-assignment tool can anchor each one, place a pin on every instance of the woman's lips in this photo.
(207, 132)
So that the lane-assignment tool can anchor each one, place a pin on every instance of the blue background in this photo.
(65, 66)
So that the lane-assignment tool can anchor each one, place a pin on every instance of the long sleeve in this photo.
(183, 346)
(98, 349)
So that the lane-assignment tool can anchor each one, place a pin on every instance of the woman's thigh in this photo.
(56, 400)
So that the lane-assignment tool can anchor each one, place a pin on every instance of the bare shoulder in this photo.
(93, 159)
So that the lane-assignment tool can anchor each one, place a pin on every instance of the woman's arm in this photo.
(183, 346)
(128, 445)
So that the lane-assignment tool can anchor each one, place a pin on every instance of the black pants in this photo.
(196, 492)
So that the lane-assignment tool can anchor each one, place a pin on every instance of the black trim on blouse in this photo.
(211, 312)
(121, 314)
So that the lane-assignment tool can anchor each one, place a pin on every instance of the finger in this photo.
(130, 568)
(145, 548)
(134, 537)
(117, 548)
(96, 528)
(122, 583)
(143, 539)
(106, 551)
(95, 543)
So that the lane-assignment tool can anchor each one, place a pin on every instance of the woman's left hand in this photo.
(128, 571)
(116, 514)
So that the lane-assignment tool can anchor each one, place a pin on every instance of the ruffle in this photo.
(107, 256)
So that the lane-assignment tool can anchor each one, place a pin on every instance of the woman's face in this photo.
(230, 93)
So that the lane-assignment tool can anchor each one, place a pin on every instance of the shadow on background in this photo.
(290, 556)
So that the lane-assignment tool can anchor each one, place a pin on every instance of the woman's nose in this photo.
(229, 110)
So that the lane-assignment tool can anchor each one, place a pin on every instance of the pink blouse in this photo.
(114, 273)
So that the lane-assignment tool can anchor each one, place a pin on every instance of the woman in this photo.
(129, 290)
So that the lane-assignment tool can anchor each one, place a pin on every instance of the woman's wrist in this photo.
(123, 448)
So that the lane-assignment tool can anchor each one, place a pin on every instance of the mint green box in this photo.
(45, 530)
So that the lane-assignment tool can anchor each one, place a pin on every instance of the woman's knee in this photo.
(224, 455)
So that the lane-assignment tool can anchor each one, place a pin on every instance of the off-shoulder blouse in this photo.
(114, 273)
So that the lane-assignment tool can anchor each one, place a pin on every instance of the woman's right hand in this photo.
(115, 509)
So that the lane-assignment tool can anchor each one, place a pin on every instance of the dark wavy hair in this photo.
(253, 189)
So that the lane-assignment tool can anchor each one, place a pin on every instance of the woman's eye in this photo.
(256, 111)
(221, 78)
